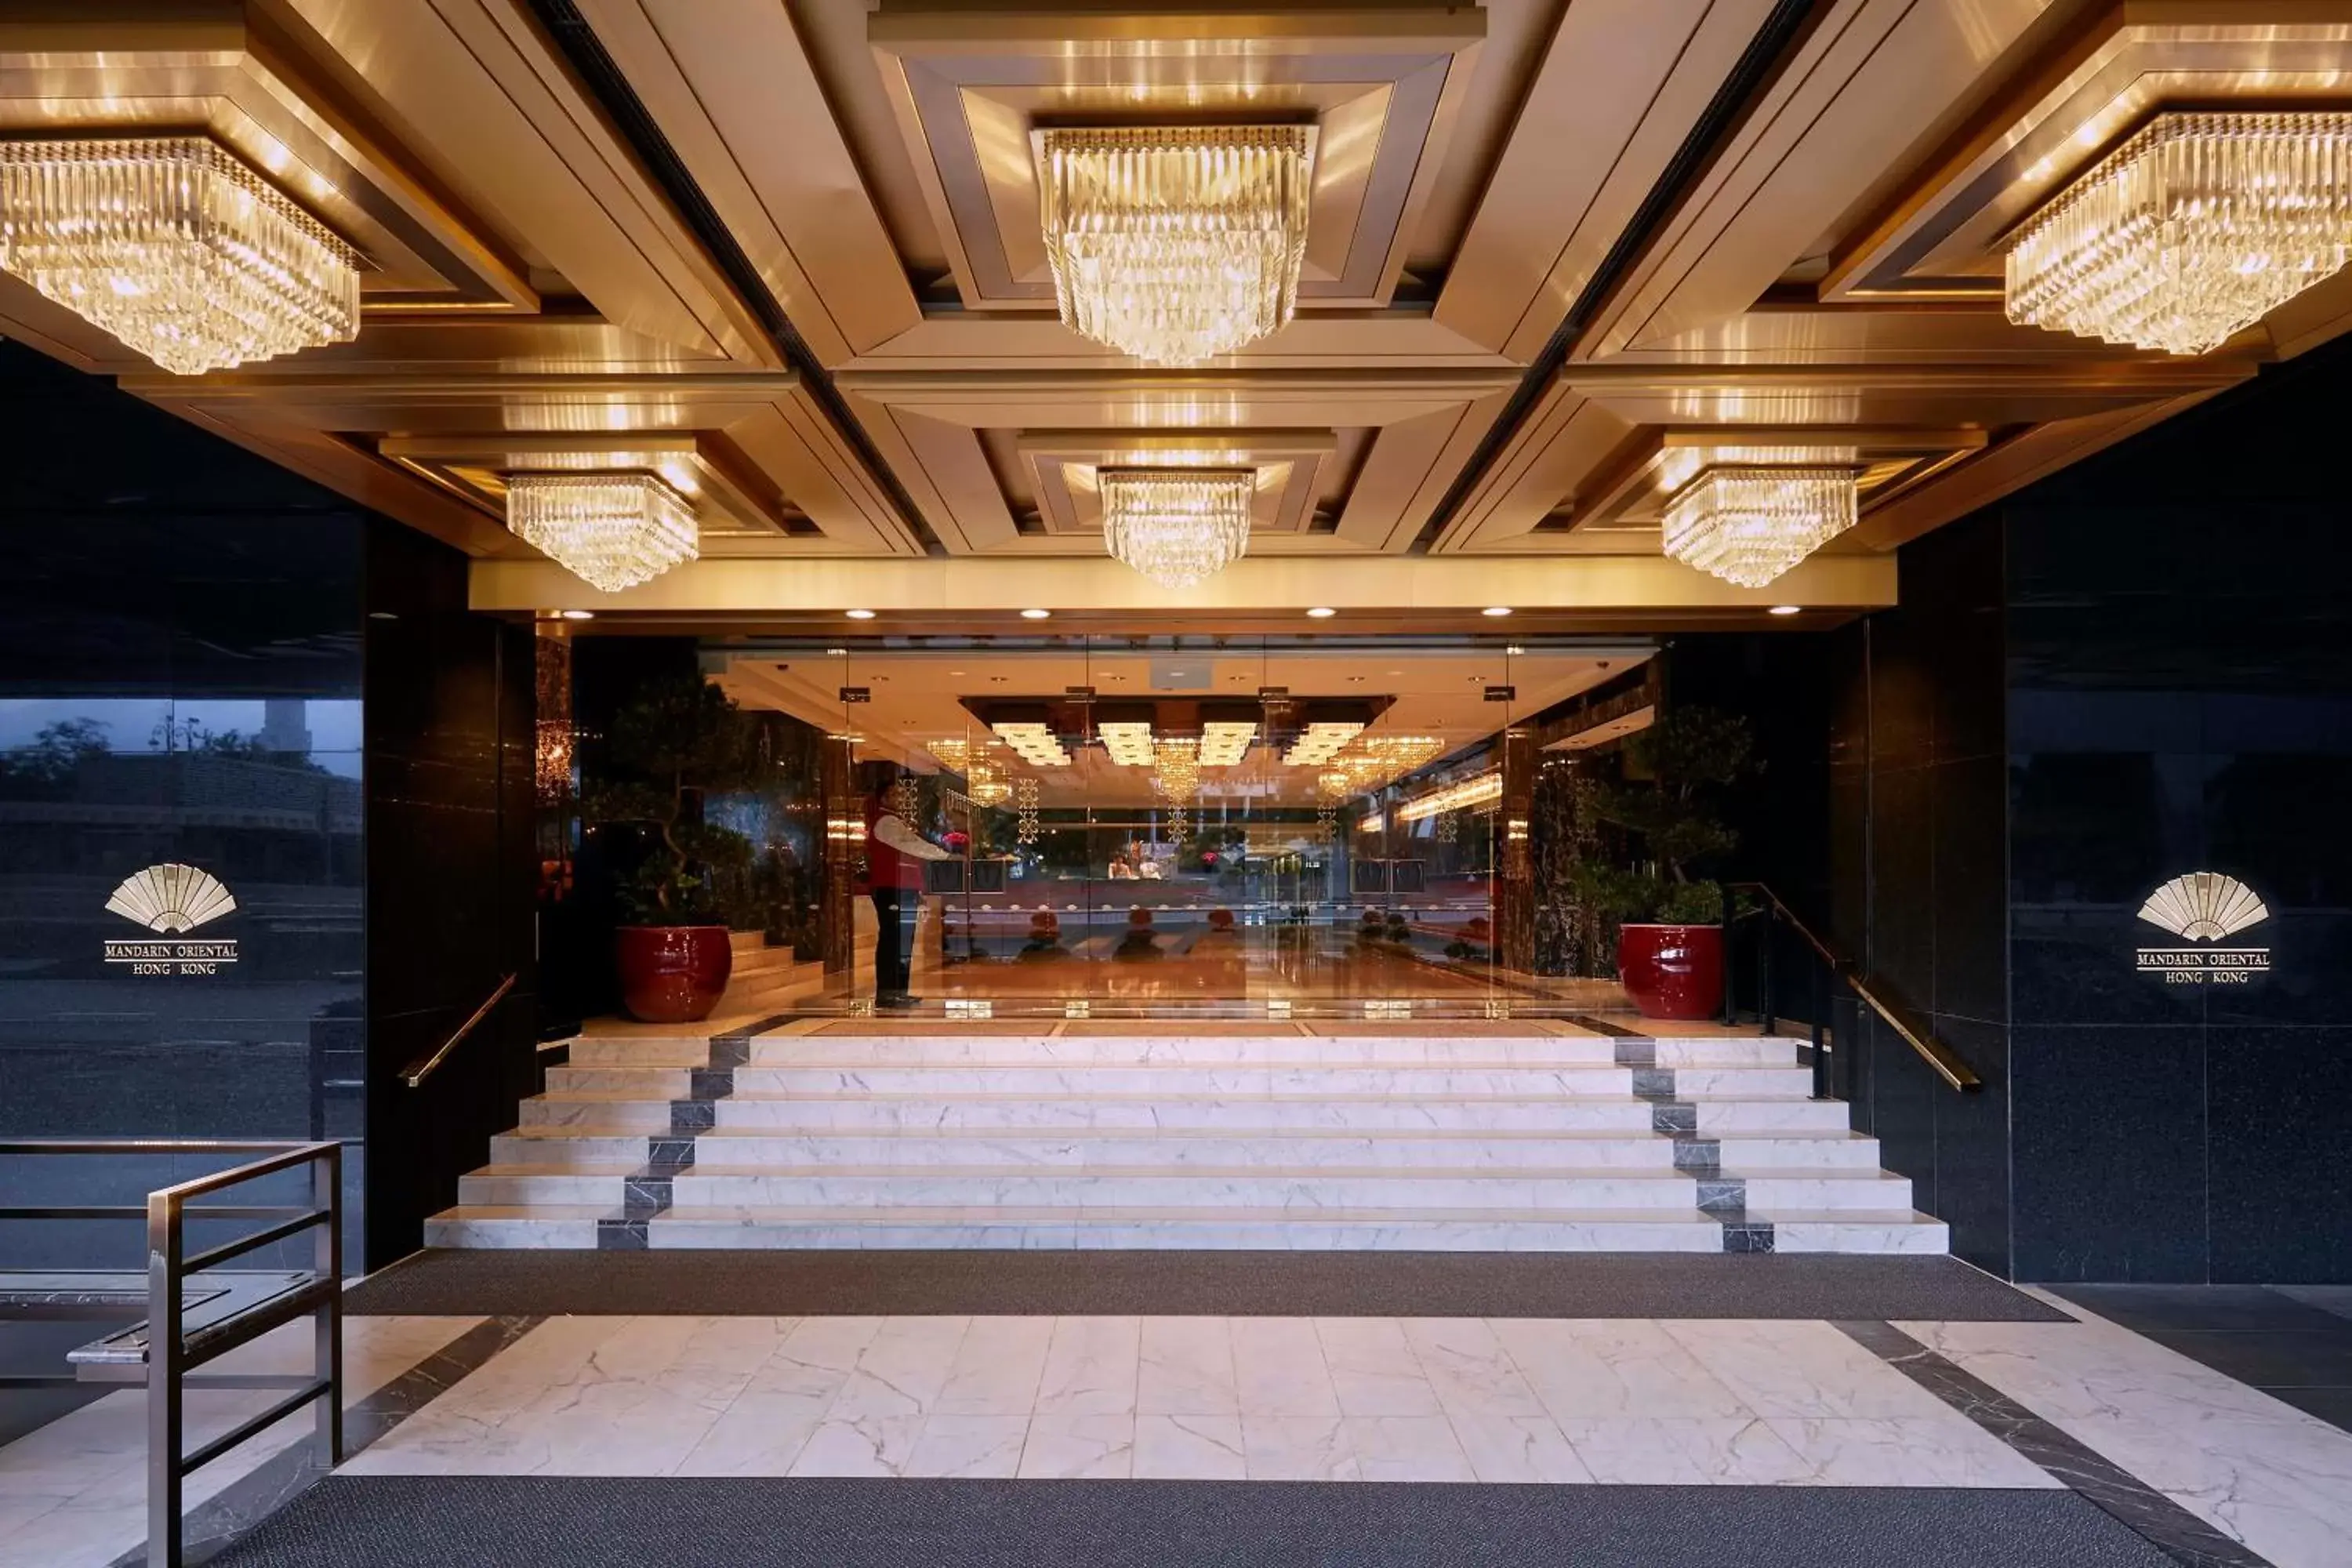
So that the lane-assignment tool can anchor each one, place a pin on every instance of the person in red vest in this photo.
(894, 853)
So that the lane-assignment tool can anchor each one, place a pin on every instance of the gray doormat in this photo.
(788, 1283)
(533, 1521)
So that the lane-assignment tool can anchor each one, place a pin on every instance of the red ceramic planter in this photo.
(1671, 971)
(673, 974)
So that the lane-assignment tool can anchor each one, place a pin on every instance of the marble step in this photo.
(599, 1112)
(610, 1112)
(638, 1050)
(855, 1050)
(1419, 1231)
(1802, 1231)
(1469, 1230)
(516, 1226)
(1165, 1080)
(1311, 1188)
(563, 1148)
(1076, 1112)
(1211, 1051)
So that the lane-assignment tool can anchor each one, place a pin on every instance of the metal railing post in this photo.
(327, 1259)
(1730, 1009)
(1766, 1007)
(164, 1354)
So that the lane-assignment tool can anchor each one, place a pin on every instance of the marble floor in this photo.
(73, 1494)
(2175, 1449)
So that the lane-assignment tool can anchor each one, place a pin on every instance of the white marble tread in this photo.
(990, 1227)
(1386, 1138)
(1378, 1399)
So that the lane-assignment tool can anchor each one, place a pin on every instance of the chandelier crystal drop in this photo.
(1748, 526)
(1175, 244)
(611, 530)
(176, 247)
(2191, 231)
(1177, 526)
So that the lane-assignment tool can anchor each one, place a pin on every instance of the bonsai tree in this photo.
(675, 741)
(1680, 764)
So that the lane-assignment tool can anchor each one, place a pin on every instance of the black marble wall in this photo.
(1916, 857)
(2179, 672)
(205, 660)
(2139, 668)
(180, 682)
(451, 876)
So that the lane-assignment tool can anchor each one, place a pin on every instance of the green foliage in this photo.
(1680, 767)
(55, 751)
(675, 740)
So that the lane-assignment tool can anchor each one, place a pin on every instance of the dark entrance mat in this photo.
(580, 1522)
(1165, 1284)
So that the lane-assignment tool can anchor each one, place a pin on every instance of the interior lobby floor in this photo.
(861, 1438)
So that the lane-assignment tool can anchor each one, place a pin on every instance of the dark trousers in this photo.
(893, 939)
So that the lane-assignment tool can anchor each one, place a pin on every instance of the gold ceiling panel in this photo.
(728, 502)
(792, 247)
(1626, 500)
(1942, 235)
(1381, 84)
(223, 69)
(1063, 467)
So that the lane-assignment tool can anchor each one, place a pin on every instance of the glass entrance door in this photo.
(1103, 826)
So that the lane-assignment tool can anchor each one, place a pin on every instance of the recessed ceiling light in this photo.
(577, 615)
(1322, 612)
(1786, 610)
(859, 615)
(1496, 610)
(1035, 615)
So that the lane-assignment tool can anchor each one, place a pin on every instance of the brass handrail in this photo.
(1941, 1057)
(417, 1071)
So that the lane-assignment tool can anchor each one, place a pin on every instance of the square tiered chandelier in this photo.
(611, 530)
(1177, 526)
(1175, 244)
(1748, 525)
(176, 247)
(2190, 232)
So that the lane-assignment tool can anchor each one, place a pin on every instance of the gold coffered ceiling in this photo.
(1557, 251)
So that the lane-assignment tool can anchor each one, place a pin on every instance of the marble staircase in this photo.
(1540, 1138)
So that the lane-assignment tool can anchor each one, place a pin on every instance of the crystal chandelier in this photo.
(1175, 244)
(1177, 526)
(612, 531)
(985, 783)
(176, 247)
(2192, 230)
(1750, 525)
(1176, 768)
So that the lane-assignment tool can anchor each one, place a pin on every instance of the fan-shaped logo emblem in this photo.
(2204, 907)
(168, 899)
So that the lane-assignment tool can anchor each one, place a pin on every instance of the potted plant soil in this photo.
(1670, 930)
(675, 741)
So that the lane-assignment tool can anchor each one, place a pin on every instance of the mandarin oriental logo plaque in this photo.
(168, 899)
(2206, 908)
